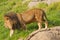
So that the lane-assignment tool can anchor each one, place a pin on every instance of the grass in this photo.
(52, 12)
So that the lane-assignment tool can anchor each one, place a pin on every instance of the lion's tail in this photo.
(45, 17)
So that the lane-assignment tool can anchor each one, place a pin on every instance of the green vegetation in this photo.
(52, 12)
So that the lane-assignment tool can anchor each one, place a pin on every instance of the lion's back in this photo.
(29, 15)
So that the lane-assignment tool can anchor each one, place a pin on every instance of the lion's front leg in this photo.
(24, 26)
(11, 32)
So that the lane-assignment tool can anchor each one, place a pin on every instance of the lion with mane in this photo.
(15, 21)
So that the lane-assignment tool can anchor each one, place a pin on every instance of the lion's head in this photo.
(11, 21)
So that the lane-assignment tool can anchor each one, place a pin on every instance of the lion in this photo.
(11, 21)
(19, 20)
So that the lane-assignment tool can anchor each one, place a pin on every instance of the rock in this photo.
(45, 34)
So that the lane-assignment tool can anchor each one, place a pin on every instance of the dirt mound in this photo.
(45, 34)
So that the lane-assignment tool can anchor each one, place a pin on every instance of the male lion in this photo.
(15, 21)
(11, 21)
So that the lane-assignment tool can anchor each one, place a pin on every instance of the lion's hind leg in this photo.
(46, 24)
(39, 25)
(39, 21)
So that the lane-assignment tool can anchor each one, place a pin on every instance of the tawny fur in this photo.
(15, 21)
(33, 15)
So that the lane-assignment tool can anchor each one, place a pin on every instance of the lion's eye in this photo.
(7, 18)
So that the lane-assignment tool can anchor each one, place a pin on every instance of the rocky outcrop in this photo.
(45, 34)
(34, 3)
